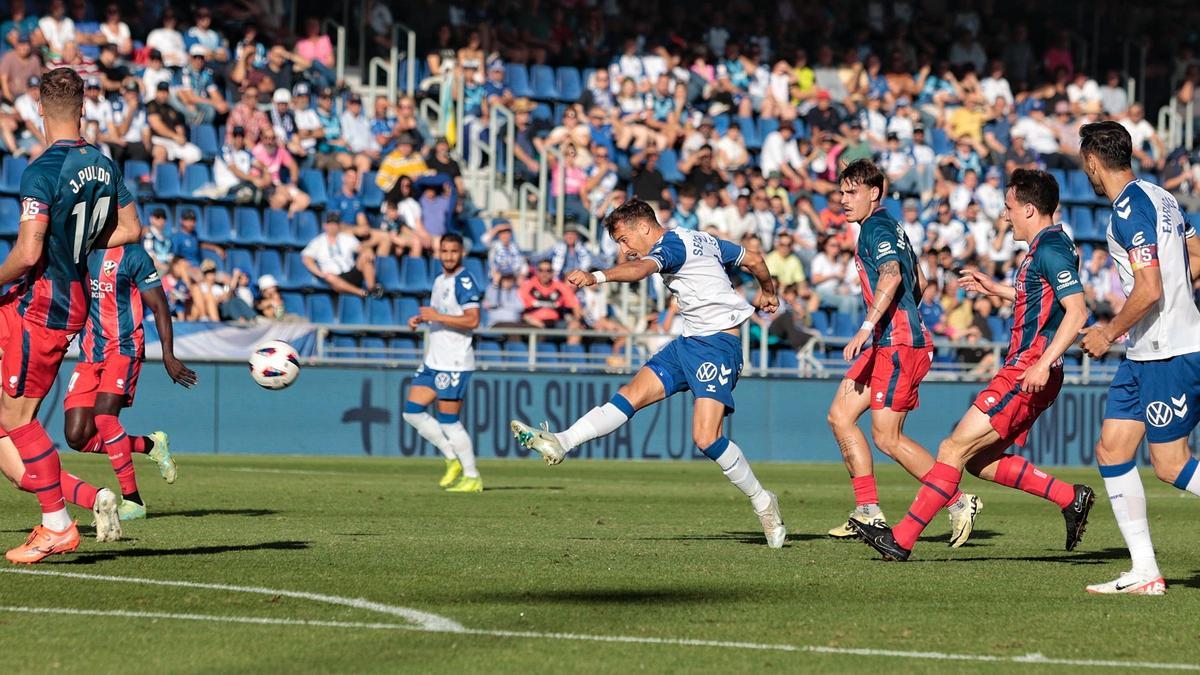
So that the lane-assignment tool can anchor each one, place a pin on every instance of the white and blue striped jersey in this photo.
(451, 349)
(1148, 229)
(693, 265)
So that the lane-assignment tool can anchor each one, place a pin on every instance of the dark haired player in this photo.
(1048, 312)
(123, 282)
(706, 359)
(73, 200)
(891, 352)
(452, 316)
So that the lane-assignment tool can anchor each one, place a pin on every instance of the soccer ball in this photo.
(274, 364)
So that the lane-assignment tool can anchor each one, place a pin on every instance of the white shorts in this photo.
(186, 152)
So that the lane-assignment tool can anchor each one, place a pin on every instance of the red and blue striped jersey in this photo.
(1049, 273)
(881, 240)
(76, 191)
(116, 279)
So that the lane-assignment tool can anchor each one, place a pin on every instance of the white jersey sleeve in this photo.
(451, 349)
(1148, 229)
(693, 267)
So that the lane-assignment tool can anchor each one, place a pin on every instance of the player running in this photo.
(111, 352)
(707, 359)
(896, 352)
(73, 200)
(1048, 312)
(1159, 380)
(449, 362)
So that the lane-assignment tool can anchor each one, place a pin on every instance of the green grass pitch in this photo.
(636, 550)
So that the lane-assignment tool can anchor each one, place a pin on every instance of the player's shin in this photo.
(1128, 499)
(428, 428)
(737, 469)
(937, 488)
(1188, 479)
(599, 421)
(460, 442)
(1016, 472)
(42, 471)
(77, 491)
(116, 444)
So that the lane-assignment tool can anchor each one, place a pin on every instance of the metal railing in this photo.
(339, 47)
(390, 66)
(1177, 127)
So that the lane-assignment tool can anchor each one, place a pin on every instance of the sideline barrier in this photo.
(355, 411)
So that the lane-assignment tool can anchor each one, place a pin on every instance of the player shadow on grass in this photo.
(525, 487)
(618, 596)
(202, 513)
(740, 537)
(104, 556)
(1193, 582)
(1078, 557)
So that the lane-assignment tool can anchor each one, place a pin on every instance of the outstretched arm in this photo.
(156, 300)
(974, 281)
(633, 270)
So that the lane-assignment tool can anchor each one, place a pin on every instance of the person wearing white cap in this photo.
(270, 303)
(199, 92)
(284, 123)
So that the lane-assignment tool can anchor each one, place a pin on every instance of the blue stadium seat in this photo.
(307, 228)
(892, 206)
(345, 345)
(270, 262)
(197, 176)
(488, 351)
(544, 86)
(10, 175)
(350, 310)
(1081, 222)
(135, 171)
(313, 184)
(800, 128)
(516, 77)
(1060, 177)
(240, 259)
(216, 228)
(5, 248)
(373, 347)
(206, 255)
(765, 126)
(547, 352)
(166, 182)
(10, 217)
(475, 267)
(516, 352)
(372, 195)
(293, 303)
(297, 276)
(204, 136)
(940, 142)
(404, 347)
(668, 165)
(543, 113)
(414, 276)
(1081, 188)
(279, 228)
(996, 326)
(845, 324)
(570, 85)
(406, 308)
(786, 358)
(380, 312)
(573, 354)
(248, 229)
(333, 181)
(387, 273)
(476, 228)
(749, 132)
(820, 320)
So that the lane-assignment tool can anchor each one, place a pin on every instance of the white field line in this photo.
(431, 623)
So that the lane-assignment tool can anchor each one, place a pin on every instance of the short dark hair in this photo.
(1031, 186)
(61, 90)
(453, 238)
(688, 190)
(863, 172)
(633, 210)
(1109, 142)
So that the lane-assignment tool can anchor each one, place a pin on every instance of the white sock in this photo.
(1189, 478)
(737, 469)
(597, 422)
(430, 430)
(57, 521)
(460, 444)
(1128, 499)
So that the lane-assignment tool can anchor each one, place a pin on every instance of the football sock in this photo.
(597, 422)
(460, 441)
(42, 471)
(116, 444)
(141, 444)
(428, 428)
(94, 444)
(1016, 472)
(864, 490)
(133, 497)
(1188, 478)
(1128, 499)
(937, 487)
(733, 464)
(78, 492)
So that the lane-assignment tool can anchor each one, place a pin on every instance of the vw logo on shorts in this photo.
(442, 381)
(707, 372)
(1159, 414)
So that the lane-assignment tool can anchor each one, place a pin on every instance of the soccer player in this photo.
(449, 362)
(1158, 382)
(111, 351)
(892, 352)
(706, 359)
(1048, 312)
(73, 200)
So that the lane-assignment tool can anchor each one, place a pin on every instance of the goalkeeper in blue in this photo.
(706, 359)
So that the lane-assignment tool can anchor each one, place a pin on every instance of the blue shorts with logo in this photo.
(1163, 394)
(709, 365)
(449, 385)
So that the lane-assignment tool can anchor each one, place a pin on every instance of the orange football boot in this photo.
(43, 542)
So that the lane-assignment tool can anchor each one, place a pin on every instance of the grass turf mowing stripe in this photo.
(1033, 659)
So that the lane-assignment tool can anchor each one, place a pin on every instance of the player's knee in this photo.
(887, 440)
(413, 413)
(704, 438)
(1168, 471)
(1104, 455)
(838, 419)
(76, 438)
(949, 451)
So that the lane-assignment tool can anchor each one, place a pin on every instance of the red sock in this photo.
(864, 490)
(1017, 472)
(937, 486)
(93, 445)
(139, 444)
(42, 467)
(116, 444)
(78, 492)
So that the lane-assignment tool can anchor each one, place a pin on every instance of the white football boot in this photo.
(540, 441)
(1131, 584)
(772, 522)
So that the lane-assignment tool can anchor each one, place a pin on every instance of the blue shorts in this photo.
(449, 385)
(1163, 394)
(708, 365)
